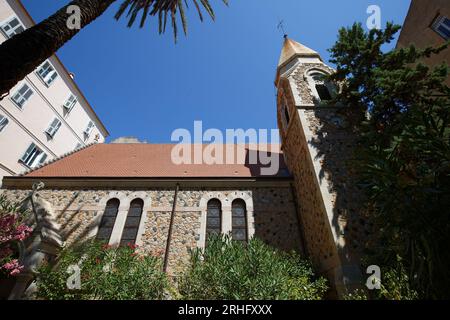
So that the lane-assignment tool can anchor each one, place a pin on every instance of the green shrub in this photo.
(395, 285)
(106, 274)
(228, 269)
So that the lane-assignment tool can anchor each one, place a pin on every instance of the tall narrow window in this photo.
(54, 127)
(442, 26)
(285, 115)
(3, 122)
(130, 231)
(47, 73)
(22, 95)
(213, 218)
(33, 156)
(12, 27)
(109, 218)
(239, 220)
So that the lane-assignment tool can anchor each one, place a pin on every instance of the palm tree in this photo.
(24, 52)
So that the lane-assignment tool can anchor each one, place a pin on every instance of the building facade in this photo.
(428, 24)
(122, 193)
(45, 115)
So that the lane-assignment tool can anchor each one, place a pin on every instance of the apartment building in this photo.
(45, 115)
(428, 24)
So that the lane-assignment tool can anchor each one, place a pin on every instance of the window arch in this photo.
(108, 220)
(322, 86)
(239, 220)
(213, 218)
(131, 228)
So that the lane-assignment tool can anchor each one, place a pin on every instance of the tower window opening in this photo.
(321, 86)
(286, 114)
(323, 92)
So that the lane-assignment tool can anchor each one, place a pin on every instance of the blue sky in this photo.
(144, 85)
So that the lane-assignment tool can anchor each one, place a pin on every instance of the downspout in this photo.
(299, 222)
(169, 235)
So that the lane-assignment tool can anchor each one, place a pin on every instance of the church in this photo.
(134, 193)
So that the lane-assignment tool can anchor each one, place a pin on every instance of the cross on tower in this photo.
(281, 28)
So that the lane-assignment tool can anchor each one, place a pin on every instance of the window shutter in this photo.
(52, 77)
(89, 128)
(28, 152)
(54, 127)
(43, 158)
(47, 73)
(22, 95)
(70, 102)
(28, 93)
(442, 27)
(12, 28)
(3, 122)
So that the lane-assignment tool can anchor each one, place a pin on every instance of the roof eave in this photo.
(26, 182)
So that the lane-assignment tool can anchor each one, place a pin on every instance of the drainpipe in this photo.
(169, 235)
(299, 222)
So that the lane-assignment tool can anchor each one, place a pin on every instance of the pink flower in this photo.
(13, 267)
(9, 230)
(22, 232)
(15, 271)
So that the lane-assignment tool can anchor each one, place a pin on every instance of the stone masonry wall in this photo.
(319, 149)
(271, 212)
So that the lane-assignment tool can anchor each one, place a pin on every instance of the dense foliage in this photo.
(228, 269)
(12, 230)
(400, 108)
(105, 273)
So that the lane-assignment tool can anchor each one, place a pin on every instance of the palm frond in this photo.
(164, 9)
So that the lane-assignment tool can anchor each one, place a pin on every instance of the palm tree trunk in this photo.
(23, 53)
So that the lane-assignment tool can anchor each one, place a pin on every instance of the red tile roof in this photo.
(150, 161)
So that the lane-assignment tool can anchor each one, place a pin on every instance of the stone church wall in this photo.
(271, 216)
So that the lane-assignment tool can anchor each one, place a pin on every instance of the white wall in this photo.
(29, 124)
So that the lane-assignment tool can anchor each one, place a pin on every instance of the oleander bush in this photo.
(105, 273)
(229, 269)
(13, 229)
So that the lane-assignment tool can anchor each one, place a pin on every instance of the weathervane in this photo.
(281, 28)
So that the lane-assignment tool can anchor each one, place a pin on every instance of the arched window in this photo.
(109, 218)
(239, 220)
(130, 231)
(321, 86)
(213, 218)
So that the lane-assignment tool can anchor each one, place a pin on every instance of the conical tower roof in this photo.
(293, 49)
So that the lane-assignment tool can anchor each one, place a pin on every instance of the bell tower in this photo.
(318, 145)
